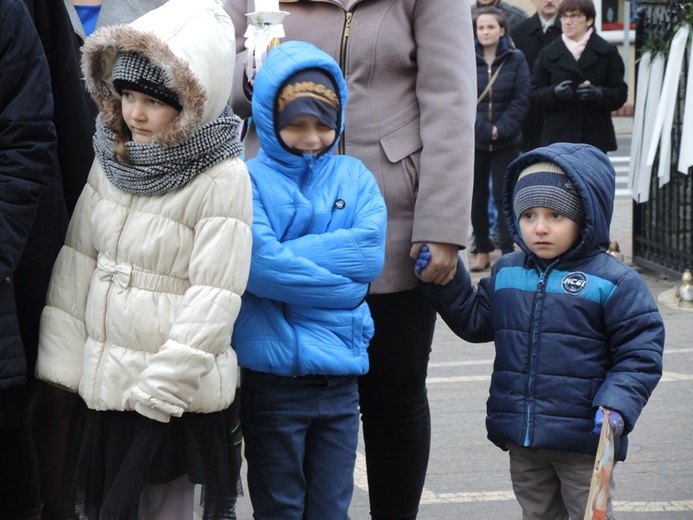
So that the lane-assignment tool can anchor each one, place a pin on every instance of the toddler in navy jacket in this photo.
(574, 328)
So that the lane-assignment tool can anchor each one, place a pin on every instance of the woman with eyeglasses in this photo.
(578, 81)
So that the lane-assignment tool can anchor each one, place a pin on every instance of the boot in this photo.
(483, 262)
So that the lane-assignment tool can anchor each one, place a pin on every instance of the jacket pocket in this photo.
(400, 139)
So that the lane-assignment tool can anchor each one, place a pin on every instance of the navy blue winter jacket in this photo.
(27, 155)
(506, 103)
(571, 334)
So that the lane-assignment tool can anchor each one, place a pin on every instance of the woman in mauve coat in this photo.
(577, 81)
(410, 72)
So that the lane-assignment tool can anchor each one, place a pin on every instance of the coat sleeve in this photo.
(358, 252)
(465, 309)
(541, 85)
(277, 273)
(446, 93)
(615, 89)
(27, 135)
(202, 329)
(636, 335)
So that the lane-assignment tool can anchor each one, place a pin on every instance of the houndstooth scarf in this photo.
(156, 170)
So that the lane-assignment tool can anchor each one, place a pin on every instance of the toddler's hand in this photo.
(422, 259)
(615, 420)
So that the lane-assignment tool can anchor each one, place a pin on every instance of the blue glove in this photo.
(422, 260)
(615, 420)
(589, 92)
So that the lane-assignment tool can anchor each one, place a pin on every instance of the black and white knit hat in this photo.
(545, 185)
(132, 71)
(309, 92)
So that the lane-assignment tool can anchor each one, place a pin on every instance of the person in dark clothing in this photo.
(503, 88)
(28, 173)
(577, 82)
(531, 36)
(575, 329)
(73, 118)
(513, 14)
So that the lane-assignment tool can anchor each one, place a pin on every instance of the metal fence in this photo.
(663, 226)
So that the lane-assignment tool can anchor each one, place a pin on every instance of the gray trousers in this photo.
(553, 484)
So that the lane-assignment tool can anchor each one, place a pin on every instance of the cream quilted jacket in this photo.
(146, 289)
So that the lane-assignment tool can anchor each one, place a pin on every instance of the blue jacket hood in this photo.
(282, 62)
(591, 172)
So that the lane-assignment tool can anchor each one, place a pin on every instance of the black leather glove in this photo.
(564, 90)
(589, 92)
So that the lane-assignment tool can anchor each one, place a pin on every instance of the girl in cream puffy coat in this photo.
(147, 287)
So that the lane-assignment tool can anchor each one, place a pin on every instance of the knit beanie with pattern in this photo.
(132, 71)
(308, 92)
(545, 185)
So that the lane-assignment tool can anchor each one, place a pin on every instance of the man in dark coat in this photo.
(531, 36)
(27, 174)
(512, 13)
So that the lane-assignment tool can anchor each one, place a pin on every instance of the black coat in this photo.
(529, 37)
(574, 120)
(27, 166)
(73, 119)
(505, 104)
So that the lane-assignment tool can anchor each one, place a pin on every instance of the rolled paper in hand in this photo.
(264, 31)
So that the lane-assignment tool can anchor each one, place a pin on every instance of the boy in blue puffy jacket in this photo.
(574, 329)
(301, 337)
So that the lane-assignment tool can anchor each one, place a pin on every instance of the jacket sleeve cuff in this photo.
(152, 413)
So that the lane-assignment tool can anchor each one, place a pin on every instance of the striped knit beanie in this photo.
(545, 185)
(132, 71)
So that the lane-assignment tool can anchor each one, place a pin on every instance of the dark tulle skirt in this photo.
(112, 455)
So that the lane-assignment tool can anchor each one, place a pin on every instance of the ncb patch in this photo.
(574, 283)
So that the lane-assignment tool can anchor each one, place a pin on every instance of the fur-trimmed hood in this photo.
(192, 41)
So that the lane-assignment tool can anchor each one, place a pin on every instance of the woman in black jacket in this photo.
(503, 88)
(577, 82)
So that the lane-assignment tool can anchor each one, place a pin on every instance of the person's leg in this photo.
(394, 403)
(493, 214)
(51, 411)
(536, 484)
(499, 166)
(170, 501)
(276, 413)
(19, 476)
(480, 199)
(331, 451)
(575, 472)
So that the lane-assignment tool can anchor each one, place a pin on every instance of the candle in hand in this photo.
(267, 6)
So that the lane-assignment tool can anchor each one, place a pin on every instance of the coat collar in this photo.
(595, 50)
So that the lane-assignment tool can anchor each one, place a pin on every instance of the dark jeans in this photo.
(301, 436)
(495, 164)
(394, 403)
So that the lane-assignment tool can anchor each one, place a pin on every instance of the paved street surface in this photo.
(468, 476)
